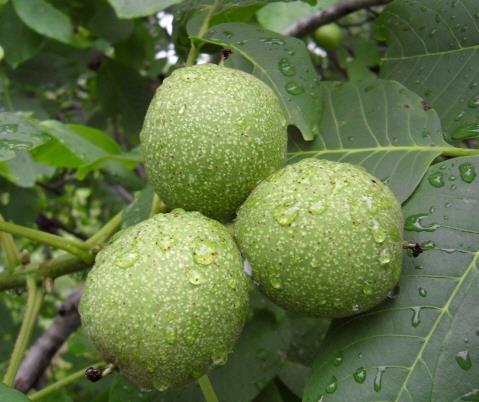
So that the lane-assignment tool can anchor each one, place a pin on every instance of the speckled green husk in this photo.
(210, 134)
(166, 299)
(323, 238)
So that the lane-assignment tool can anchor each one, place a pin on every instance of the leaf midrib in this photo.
(444, 310)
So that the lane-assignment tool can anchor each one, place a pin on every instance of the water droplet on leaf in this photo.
(468, 172)
(293, 88)
(416, 316)
(338, 359)
(463, 359)
(414, 223)
(436, 179)
(332, 385)
(378, 379)
(360, 375)
(286, 67)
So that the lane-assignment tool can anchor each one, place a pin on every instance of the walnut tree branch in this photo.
(42, 351)
(311, 22)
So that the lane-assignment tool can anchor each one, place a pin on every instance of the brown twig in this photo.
(53, 225)
(42, 351)
(311, 22)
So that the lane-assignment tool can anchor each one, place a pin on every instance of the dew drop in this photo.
(459, 116)
(275, 281)
(205, 252)
(384, 256)
(332, 385)
(165, 243)
(195, 277)
(286, 68)
(428, 245)
(360, 375)
(426, 133)
(228, 34)
(416, 316)
(379, 378)
(126, 260)
(170, 334)
(468, 172)
(422, 292)
(318, 207)
(338, 359)
(378, 233)
(464, 360)
(414, 223)
(436, 179)
(286, 214)
(293, 88)
(473, 103)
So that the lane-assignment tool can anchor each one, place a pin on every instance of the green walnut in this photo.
(210, 134)
(329, 36)
(166, 299)
(323, 238)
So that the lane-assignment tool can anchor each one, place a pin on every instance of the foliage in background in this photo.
(399, 97)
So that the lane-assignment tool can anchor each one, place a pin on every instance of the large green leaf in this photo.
(18, 133)
(43, 18)
(23, 170)
(198, 14)
(423, 344)
(11, 395)
(82, 148)
(283, 63)
(18, 41)
(124, 93)
(279, 15)
(433, 50)
(381, 126)
(140, 8)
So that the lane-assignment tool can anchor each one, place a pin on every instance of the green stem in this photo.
(158, 206)
(75, 247)
(52, 388)
(61, 265)
(106, 231)
(194, 50)
(454, 152)
(34, 302)
(9, 250)
(207, 389)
